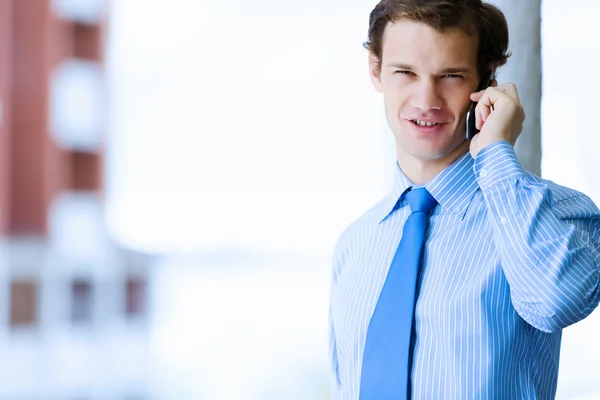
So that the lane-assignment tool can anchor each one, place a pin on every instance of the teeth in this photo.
(422, 123)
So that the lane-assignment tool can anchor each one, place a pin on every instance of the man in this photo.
(457, 284)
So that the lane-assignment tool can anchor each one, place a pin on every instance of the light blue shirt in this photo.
(509, 261)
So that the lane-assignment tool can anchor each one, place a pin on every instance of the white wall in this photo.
(570, 43)
(239, 126)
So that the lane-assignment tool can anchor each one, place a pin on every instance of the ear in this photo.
(375, 73)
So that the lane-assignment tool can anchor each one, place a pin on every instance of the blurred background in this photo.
(174, 176)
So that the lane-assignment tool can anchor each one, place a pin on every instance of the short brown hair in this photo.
(470, 16)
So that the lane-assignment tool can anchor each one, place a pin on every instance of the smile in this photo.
(424, 123)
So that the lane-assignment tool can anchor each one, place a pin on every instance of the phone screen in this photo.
(471, 127)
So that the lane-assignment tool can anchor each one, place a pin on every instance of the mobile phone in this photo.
(471, 125)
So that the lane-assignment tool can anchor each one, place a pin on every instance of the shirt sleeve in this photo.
(549, 249)
(335, 385)
(335, 381)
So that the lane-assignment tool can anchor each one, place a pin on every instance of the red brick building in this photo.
(60, 271)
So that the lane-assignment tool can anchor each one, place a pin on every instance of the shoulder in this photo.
(357, 233)
(567, 202)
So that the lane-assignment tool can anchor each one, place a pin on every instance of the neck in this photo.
(420, 171)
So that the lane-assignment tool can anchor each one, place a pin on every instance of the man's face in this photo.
(426, 78)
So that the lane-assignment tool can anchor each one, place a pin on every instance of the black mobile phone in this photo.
(471, 126)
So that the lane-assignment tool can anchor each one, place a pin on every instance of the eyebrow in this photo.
(451, 70)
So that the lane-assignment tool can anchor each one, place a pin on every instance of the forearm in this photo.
(550, 258)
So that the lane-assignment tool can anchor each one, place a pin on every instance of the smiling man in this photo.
(458, 283)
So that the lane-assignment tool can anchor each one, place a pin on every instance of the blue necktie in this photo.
(387, 357)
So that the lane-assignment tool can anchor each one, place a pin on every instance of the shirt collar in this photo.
(452, 188)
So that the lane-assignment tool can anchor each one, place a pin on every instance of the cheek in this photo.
(457, 103)
(463, 102)
(395, 88)
(395, 99)
(457, 96)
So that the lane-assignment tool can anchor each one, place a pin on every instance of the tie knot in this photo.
(420, 200)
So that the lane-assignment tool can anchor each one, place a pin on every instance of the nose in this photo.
(426, 95)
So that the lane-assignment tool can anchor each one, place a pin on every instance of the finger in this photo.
(478, 118)
(508, 89)
(485, 106)
(476, 96)
(485, 113)
(511, 90)
(490, 97)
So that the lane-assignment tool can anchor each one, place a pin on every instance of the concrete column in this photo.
(524, 69)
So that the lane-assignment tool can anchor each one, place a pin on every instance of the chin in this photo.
(428, 147)
(431, 153)
(429, 156)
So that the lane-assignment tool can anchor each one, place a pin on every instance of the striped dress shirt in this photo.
(509, 260)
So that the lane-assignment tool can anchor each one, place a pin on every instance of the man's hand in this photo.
(499, 116)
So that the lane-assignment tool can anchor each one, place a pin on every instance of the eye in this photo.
(403, 72)
(453, 76)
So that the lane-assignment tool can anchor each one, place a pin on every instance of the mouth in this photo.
(424, 123)
(427, 127)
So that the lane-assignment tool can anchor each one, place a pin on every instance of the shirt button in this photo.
(483, 173)
(503, 220)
